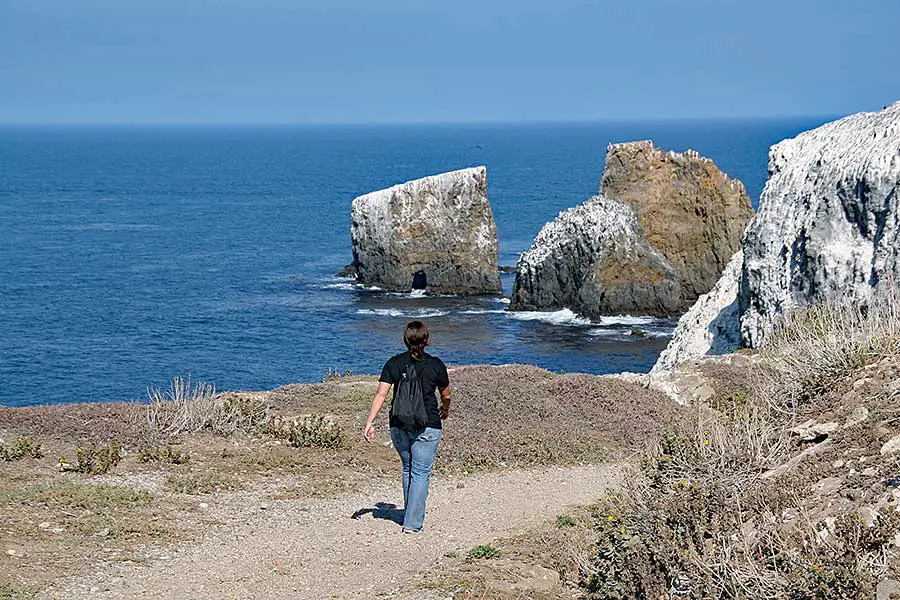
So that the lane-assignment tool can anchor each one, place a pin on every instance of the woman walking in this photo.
(415, 417)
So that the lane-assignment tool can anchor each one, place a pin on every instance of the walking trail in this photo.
(317, 550)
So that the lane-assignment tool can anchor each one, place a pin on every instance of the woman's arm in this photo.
(377, 403)
(445, 402)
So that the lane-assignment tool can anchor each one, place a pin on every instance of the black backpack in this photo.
(408, 408)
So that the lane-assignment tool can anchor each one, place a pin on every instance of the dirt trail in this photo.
(303, 550)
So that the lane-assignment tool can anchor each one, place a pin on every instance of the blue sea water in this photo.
(132, 255)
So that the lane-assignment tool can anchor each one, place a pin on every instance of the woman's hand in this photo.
(445, 412)
(369, 432)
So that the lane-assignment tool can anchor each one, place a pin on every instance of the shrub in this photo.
(163, 454)
(565, 521)
(307, 431)
(315, 431)
(483, 551)
(94, 458)
(23, 447)
(189, 408)
(709, 516)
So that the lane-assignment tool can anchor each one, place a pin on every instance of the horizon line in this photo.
(451, 122)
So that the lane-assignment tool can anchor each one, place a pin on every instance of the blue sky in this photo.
(364, 61)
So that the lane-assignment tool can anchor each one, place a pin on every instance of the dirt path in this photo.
(302, 550)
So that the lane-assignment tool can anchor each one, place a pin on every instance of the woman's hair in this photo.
(415, 336)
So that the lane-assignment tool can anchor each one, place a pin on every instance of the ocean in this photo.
(129, 255)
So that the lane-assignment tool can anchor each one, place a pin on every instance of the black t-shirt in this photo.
(432, 373)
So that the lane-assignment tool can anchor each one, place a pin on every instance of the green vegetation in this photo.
(94, 458)
(23, 447)
(315, 432)
(565, 521)
(162, 454)
(74, 496)
(485, 551)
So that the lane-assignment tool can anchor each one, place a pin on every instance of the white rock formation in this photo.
(595, 257)
(442, 225)
(828, 229)
(711, 326)
(829, 220)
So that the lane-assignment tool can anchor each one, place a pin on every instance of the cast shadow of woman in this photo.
(382, 510)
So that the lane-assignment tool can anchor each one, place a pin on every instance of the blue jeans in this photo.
(417, 450)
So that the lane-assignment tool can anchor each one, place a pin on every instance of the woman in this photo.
(417, 447)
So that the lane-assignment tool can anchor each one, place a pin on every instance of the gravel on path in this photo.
(315, 550)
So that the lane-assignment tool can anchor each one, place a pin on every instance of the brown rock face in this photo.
(690, 211)
(658, 236)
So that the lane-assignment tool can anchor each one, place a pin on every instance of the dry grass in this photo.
(814, 346)
(59, 526)
(187, 408)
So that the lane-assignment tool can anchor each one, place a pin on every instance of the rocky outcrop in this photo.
(442, 225)
(828, 230)
(711, 326)
(829, 220)
(595, 258)
(659, 234)
(690, 210)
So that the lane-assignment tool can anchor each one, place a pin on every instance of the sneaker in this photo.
(405, 530)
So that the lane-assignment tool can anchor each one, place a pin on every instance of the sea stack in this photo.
(657, 236)
(828, 230)
(438, 229)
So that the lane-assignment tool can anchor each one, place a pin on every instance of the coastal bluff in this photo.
(441, 226)
(655, 238)
(827, 231)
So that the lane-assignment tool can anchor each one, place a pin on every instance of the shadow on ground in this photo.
(382, 510)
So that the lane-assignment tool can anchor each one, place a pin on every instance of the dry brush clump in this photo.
(186, 408)
(812, 347)
(783, 487)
